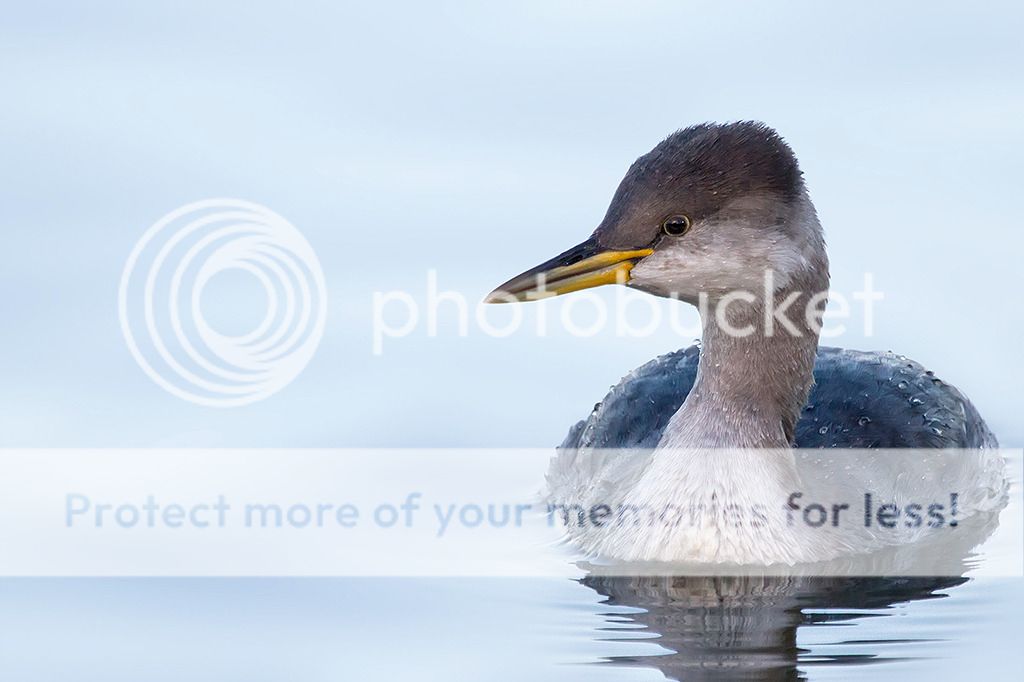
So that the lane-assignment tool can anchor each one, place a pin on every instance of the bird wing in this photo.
(859, 400)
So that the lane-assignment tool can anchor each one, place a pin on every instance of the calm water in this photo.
(507, 629)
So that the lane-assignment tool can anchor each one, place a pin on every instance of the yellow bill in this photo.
(582, 267)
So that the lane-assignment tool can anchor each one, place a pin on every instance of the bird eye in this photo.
(675, 225)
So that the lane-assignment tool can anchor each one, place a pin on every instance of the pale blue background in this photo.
(479, 141)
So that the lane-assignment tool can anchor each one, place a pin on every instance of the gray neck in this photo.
(750, 390)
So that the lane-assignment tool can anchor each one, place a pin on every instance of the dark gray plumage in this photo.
(703, 169)
(859, 400)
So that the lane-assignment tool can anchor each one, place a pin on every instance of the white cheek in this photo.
(675, 270)
(719, 266)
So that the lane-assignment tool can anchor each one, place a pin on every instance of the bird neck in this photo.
(755, 370)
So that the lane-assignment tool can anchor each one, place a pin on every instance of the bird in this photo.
(718, 215)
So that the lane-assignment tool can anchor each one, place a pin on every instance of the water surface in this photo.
(506, 629)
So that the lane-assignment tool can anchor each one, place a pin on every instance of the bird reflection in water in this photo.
(745, 627)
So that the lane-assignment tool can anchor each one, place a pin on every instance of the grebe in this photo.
(718, 216)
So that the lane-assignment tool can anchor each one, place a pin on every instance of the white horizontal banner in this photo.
(523, 512)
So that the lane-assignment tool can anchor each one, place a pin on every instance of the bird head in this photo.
(709, 210)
